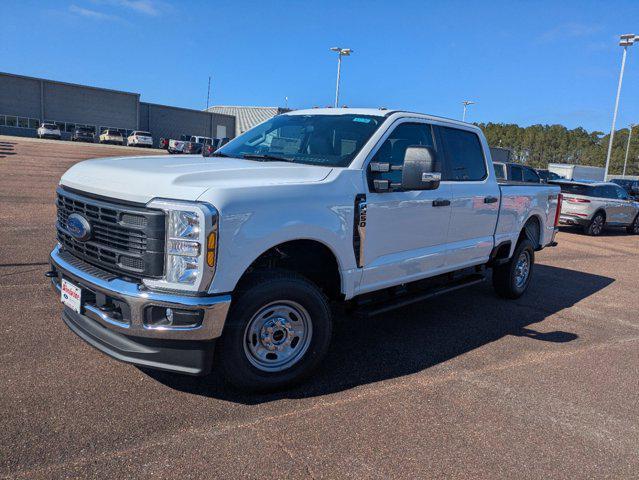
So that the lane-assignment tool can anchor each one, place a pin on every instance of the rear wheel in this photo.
(511, 279)
(596, 225)
(633, 228)
(278, 331)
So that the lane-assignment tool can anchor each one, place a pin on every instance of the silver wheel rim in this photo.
(636, 225)
(278, 336)
(597, 224)
(522, 269)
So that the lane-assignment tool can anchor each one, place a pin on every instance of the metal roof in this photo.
(247, 117)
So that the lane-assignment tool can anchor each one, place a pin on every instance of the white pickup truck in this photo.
(236, 260)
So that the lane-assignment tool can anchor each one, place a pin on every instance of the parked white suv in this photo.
(139, 138)
(111, 136)
(49, 130)
(161, 261)
(596, 205)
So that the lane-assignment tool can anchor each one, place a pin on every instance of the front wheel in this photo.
(511, 279)
(278, 331)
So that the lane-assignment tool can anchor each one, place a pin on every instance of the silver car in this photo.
(594, 206)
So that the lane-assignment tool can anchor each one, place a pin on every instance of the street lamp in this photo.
(465, 103)
(341, 52)
(625, 41)
(625, 162)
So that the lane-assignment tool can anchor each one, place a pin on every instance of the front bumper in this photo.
(125, 334)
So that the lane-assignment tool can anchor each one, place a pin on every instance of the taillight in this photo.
(577, 200)
(560, 200)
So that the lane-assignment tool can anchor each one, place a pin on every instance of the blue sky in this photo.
(523, 62)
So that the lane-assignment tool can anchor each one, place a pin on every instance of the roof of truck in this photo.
(378, 112)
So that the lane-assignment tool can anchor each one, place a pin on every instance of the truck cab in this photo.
(165, 262)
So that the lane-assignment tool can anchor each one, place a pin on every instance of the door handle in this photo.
(440, 202)
(490, 199)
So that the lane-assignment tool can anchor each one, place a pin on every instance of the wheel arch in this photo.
(532, 229)
(309, 257)
(601, 210)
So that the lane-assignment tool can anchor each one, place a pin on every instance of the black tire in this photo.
(633, 228)
(596, 225)
(506, 277)
(260, 293)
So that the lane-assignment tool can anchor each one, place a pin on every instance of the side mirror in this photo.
(420, 170)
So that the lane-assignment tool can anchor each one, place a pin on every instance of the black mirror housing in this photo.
(420, 170)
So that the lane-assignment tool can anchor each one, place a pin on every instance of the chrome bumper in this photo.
(137, 298)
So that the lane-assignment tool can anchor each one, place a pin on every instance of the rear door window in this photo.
(464, 155)
(516, 173)
(531, 176)
(608, 191)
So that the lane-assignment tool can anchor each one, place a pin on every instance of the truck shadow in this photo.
(417, 337)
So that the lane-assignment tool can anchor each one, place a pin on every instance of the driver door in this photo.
(406, 231)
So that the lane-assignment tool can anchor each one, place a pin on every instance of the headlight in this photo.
(191, 245)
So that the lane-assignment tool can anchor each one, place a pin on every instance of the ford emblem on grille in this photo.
(79, 227)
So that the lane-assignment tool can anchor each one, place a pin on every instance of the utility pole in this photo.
(208, 93)
(625, 162)
(465, 103)
(625, 41)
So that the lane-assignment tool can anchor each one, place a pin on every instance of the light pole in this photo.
(341, 52)
(625, 162)
(465, 103)
(625, 41)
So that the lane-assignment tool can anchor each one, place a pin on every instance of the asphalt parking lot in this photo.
(462, 386)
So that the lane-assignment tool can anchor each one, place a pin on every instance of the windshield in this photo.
(331, 140)
(142, 134)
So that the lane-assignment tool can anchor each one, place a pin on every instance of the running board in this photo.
(404, 300)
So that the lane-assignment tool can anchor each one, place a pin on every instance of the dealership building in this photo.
(25, 102)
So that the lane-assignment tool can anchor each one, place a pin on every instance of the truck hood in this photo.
(181, 177)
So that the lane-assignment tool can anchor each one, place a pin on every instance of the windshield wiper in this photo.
(219, 154)
(266, 156)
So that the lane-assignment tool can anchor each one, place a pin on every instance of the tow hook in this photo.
(51, 274)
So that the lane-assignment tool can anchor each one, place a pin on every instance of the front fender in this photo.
(247, 233)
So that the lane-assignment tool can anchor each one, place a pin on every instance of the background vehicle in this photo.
(577, 172)
(516, 172)
(547, 175)
(139, 138)
(195, 144)
(83, 134)
(630, 186)
(49, 130)
(597, 205)
(309, 208)
(112, 136)
(177, 146)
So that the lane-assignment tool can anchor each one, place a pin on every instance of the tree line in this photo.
(539, 145)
